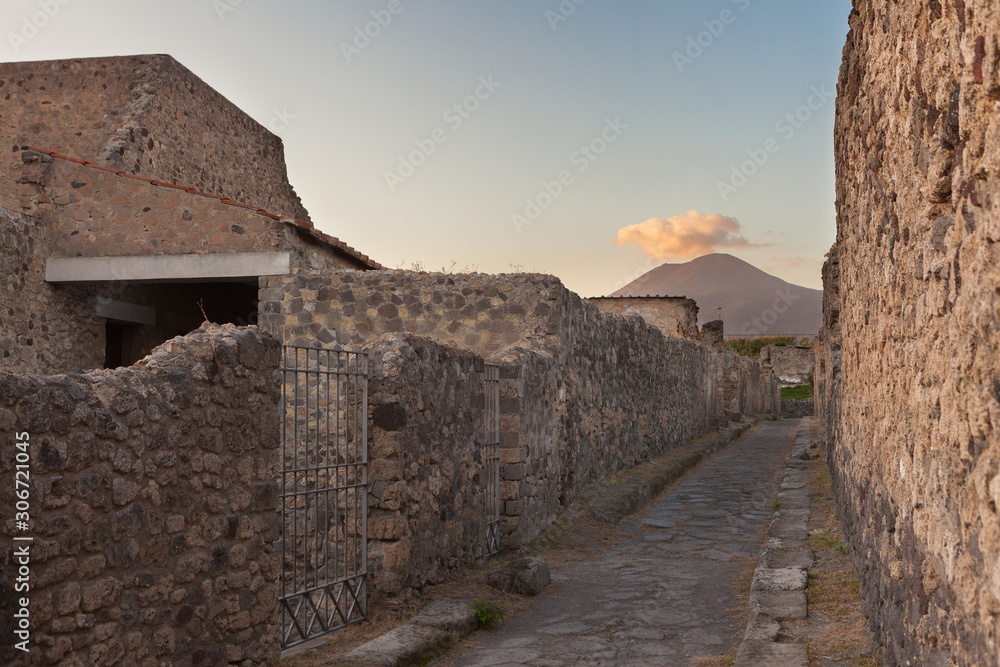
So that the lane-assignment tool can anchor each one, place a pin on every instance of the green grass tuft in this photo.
(488, 613)
(798, 392)
(751, 347)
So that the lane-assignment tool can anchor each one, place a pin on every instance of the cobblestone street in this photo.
(666, 595)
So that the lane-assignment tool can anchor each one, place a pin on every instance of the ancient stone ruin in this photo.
(908, 365)
(208, 493)
(162, 447)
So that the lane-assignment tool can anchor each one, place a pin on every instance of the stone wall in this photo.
(749, 388)
(584, 394)
(426, 484)
(622, 394)
(792, 408)
(153, 505)
(145, 115)
(43, 328)
(676, 317)
(792, 364)
(827, 383)
(480, 312)
(95, 212)
(911, 381)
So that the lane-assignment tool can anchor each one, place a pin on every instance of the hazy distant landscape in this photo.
(753, 302)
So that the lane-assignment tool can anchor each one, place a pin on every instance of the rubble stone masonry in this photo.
(43, 328)
(792, 364)
(675, 316)
(426, 474)
(153, 506)
(145, 115)
(583, 395)
(909, 359)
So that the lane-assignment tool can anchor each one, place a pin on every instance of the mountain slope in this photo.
(753, 302)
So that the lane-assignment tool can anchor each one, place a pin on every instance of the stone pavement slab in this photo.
(781, 577)
(663, 596)
(425, 636)
(779, 605)
(761, 653)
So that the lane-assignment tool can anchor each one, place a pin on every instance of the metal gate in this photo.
(491, 457)
(324, 497)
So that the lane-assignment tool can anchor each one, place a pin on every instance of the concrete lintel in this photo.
(125, 312)
(168, 268)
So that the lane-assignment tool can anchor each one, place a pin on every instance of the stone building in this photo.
(675, 316)
(121, 227)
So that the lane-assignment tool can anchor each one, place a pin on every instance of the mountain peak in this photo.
(753, 302)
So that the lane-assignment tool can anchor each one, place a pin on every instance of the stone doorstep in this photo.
(435, 629)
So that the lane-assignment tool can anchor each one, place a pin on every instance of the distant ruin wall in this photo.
(479, 312)
(146, 115)
(792, 408)
(792, 364)
(749, 389)
(910, 373)
(153, 507)
(676, 317)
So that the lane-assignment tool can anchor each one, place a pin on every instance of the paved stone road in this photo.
(661, 597)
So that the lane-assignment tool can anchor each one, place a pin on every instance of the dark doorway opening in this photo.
(180, 309)
(114, 345)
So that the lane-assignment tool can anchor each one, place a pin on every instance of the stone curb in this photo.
(434, 630)
(612, 504)
(778, 592)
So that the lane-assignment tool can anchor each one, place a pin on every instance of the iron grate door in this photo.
(324, 492)
(491, 457)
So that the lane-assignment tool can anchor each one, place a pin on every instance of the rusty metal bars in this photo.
(324, 492)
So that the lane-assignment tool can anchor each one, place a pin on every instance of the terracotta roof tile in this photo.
(65, 157)
(304, 225)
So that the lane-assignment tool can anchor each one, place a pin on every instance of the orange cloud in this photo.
(684, 236)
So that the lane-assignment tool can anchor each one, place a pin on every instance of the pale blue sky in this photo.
(347, 115)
